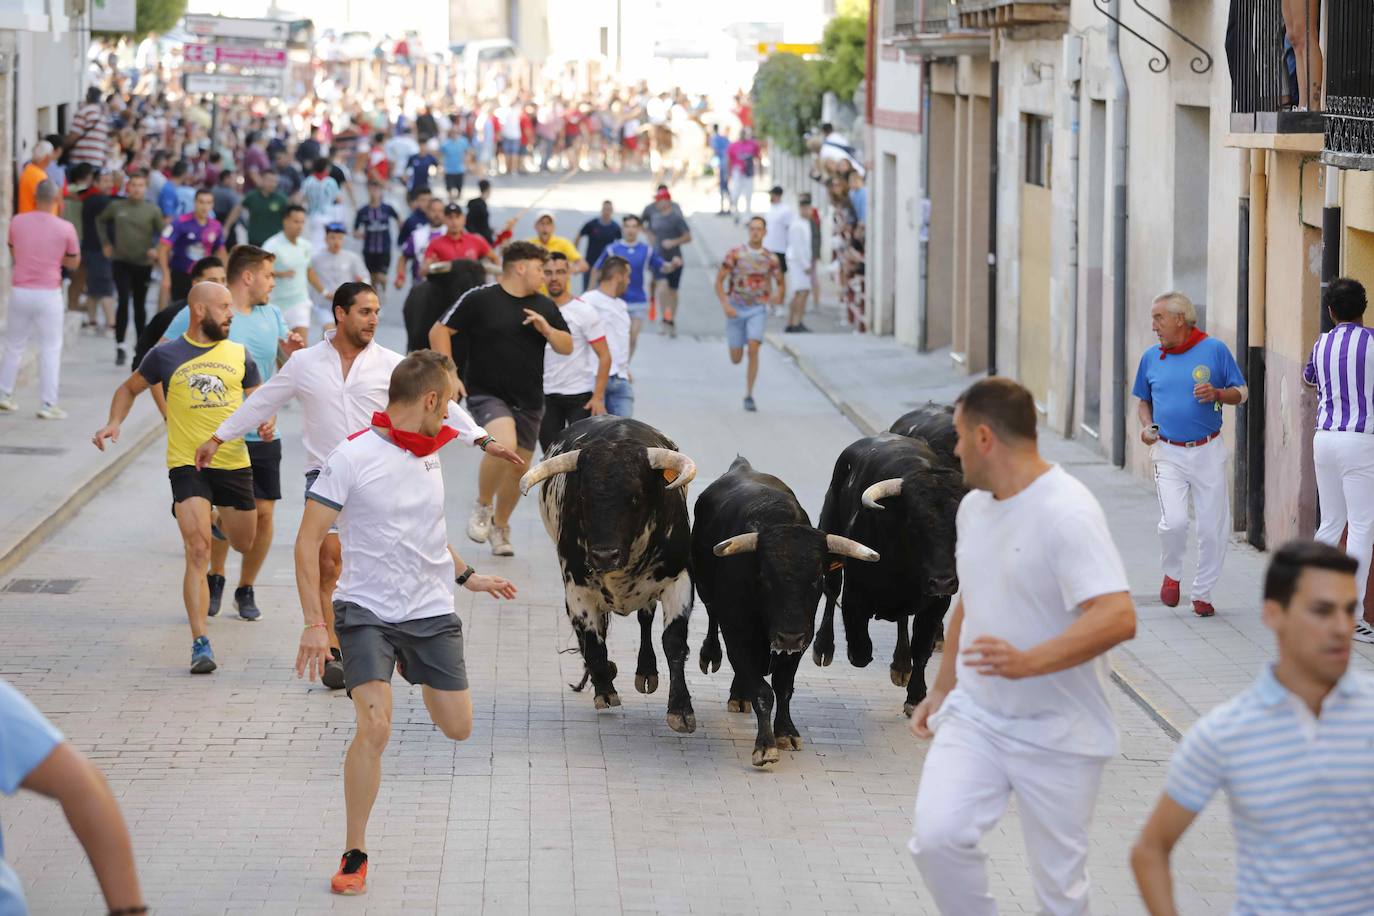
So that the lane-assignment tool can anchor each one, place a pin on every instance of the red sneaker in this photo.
(1168, 592)
(1203, 608)
(351, 878)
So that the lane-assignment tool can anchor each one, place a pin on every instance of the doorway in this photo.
(1033, 336)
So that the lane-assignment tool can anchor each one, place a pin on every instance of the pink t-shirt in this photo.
(39, 240)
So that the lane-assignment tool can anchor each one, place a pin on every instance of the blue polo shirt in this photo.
(1168, 385)
(26, 740)
(639, 255)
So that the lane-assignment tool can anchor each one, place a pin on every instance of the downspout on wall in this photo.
(1119, 97)
(994, 95)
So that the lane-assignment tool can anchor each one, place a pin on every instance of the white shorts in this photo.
(324, 315)
(799, 281)
(297, 316)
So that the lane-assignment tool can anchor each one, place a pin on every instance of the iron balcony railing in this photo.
(1265, 95)
(1349, 138)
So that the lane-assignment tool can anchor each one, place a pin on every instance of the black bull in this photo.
(614, 501)
(899, 496)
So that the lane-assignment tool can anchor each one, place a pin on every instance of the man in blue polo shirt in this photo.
(639, 254)
(1181, 384)
(1292, 753)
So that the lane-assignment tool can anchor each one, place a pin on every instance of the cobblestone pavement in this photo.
(232, 783)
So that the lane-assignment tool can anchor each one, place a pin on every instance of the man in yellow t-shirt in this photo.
(544, 237)
(204, 378)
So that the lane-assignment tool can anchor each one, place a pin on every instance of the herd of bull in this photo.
(614, 501)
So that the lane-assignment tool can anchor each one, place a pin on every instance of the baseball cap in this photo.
(663, 194)
(775, 190)
(452, 208)
(543, 214)
(336, 227)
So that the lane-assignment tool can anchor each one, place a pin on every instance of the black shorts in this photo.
(487, 407)
(231, 489)
(674, 277)
(430, 650)
(782, 260)
(377, 263)
(454, 181)
(265, 458)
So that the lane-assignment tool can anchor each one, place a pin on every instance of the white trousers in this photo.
(969, 774)
(1199, 473)
(1345, 487)
(35, 314)
(742, 192)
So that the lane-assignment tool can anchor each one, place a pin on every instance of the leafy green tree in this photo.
(843, 55)
(787, 100)
(155, 16)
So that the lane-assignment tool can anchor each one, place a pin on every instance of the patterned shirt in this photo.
(753, 271)
(190, 241)
(203, 383)
(376, 225)
(1342, 369)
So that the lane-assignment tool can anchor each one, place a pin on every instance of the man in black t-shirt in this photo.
(206, 270)
(504, 328)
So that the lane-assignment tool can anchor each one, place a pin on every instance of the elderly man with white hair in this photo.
(1181, 384)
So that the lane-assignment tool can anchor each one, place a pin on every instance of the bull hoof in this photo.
(789, 742)
(939, 645)
(682, 723)
(709, 662)
(860, 661)
(646, 683)
(900, 678)
(739, 705)
(765, 755)
(615, 672)
(822, 658)
(607, 700)
(908, 709)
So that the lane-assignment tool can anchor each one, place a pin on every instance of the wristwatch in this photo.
(467, 574)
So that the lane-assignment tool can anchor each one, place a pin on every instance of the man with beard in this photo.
(204, 377)
(339, 382)
(574, 385)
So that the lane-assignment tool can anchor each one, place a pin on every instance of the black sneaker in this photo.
(333, 676)
(120, 356)
(248, 608)
(216, 592)
(749, 405)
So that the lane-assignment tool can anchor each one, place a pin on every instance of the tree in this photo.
(154, 16)
(844, 49)
(787, 100)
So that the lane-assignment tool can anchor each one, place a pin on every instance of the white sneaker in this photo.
(479, 523)
(7, 403)
(1364, 632)
(500, 542)
(52, 412)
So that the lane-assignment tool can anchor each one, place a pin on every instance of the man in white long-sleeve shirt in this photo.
(340, 381)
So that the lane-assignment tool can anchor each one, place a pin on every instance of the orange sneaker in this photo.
(351, 878)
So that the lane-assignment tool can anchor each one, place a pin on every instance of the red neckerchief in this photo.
(418, 444)
(1194, 338)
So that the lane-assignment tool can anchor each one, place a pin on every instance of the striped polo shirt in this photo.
(1299, 791)
(1342, 369)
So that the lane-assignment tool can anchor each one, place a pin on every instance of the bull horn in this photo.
(881, 490)
(565, 463)
(665, 459)
(740, 543)
(847, 548)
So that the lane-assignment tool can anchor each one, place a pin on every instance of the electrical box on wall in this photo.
(1072, 66)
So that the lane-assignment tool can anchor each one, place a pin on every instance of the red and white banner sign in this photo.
(234, 55)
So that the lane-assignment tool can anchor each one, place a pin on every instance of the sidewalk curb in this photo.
(82, 493)
(1137, 696)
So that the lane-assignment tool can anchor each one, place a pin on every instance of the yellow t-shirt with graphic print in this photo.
(203, 384)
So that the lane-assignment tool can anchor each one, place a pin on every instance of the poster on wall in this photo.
(114, 15)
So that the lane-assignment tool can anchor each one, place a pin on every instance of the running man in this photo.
(373, 226)
(505, 326)
(613, 277)
(129, 231)
(639, 255)
(669, 230)
(335, 266)
(204, 377)
(339, 382)
(544, 236)
(599, 231)
(457, 244)
(295, 276)
(749, 280)
(1019, 705)
(186, 240)
(574, 385)
(394, 606)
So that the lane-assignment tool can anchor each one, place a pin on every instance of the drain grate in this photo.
(31, 450)
(42, 586)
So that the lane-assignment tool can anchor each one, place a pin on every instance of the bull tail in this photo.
(582, 684)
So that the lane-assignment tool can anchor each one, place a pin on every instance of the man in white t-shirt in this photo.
(613, 278)
(335, 266)
(1024, 708)
(802, 268)
(780, 218)
(295, 276)
(393, 608)
(574, 385)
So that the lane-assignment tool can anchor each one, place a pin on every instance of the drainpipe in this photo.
(1073, 73)
(994, 91)
(1119, 97)
(923, 245)
(1239, 495)
(1331, 236)
(1254, 360)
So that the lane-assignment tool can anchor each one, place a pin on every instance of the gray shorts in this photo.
(487, 407)
(430, 650)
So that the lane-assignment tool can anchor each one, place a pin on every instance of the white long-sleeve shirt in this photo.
(334, 407)
(799, 244)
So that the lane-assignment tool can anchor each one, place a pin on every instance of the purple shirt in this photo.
(190, 241)
(1342, 368)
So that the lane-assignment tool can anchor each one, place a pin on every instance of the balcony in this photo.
(1001, 14)
(1349, 137)
(1267, 76)
(931, 29)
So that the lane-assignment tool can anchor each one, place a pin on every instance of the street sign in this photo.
(227, 27)
(263, 85)
(234, 55)
(781, 47)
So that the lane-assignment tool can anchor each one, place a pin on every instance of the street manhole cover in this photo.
(42, 586)
(31, 450)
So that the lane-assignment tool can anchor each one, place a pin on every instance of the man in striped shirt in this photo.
(90, 137)
(1341, 368)
(1293, 754)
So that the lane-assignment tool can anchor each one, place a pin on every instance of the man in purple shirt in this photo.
(1341, 368)
(185, 241)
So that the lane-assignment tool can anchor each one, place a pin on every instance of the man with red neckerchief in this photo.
(1181, 384)
(393, 607)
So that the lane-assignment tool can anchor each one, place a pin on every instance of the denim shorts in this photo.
(748, 324)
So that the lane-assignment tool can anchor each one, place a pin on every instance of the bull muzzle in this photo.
(789, 643)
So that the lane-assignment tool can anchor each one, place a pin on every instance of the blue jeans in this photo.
(620, 397)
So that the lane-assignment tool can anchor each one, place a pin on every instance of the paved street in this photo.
(232, 783)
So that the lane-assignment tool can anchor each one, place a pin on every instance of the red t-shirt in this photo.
(468, 246)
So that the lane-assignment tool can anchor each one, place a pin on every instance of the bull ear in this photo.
(847, 548)
(881, 490)
(678, 469)
(565, 463)
(740, 543)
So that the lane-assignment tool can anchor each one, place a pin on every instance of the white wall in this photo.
(893, 252)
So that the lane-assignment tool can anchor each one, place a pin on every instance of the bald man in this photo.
(204, 377)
